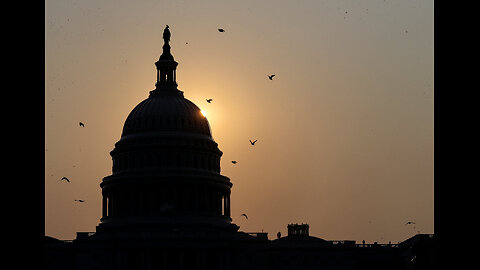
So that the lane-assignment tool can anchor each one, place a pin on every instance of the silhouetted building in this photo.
(167, 206)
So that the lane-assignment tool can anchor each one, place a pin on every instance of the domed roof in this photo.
(166, 153)
(166, 111)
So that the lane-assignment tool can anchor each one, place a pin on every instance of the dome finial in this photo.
(166, 46)
(166, 66)
(166, 34)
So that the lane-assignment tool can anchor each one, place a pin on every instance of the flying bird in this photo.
(221, 30)
(244, 216)
(79, 200)
(253, 143)
(209, 100)
(65, 178)
(271, 76)
(234, 161)
(81, 124)
(410, 222)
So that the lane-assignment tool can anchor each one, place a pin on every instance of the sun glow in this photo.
(203, 112)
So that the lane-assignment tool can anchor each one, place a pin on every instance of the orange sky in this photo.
(345, 129)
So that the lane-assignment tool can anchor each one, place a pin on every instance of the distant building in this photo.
(167, 206)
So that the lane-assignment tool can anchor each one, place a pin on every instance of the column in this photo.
(119, 259)
(104, 206)
(150, 203)
(220, 260)
(175, 196)
(224, 197)
(181, 259)
(165, 259)
(213, 198)
(196, 190)
(141, 203)
(125, 261)
(218, 203)
(148, 259)
(207, 201)
(199, 260)
(214, 202)
(204, 260)
(227, 260)
(109, 206)
(186, 198)
(142, 259)
(228, 205)
(116, 209)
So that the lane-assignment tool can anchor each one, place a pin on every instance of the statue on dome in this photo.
(166, 34)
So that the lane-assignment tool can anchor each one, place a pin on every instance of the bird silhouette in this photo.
(79, 200)
(410, 222)
(65, 178)
(221, 30)
(209, 100)
(271, 76)
(81, 124)
(234, 161)
(244, 216)
(253, 143)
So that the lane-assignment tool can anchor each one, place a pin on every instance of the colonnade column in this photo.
(224, 197)
(148, 259)
(175, 196)
(217, 206)
(196, 195)
(109, 204)
(207, 200)
(104, 205)
(198, 259)
(227, 256)
(142, 259)
(227, 208)
(220, 261)
(181, 260)
(152, 207)
(164, 259)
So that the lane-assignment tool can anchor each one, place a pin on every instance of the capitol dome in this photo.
(166, 165)
(166, 131)
(166, 111)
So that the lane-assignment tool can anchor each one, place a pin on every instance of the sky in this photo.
(344, 129)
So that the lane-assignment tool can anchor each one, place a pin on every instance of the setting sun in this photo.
(203, 112)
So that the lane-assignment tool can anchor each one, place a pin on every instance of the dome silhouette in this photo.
(166, 111)
(166, 165)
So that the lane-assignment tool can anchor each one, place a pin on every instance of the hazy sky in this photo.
(344, 130)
